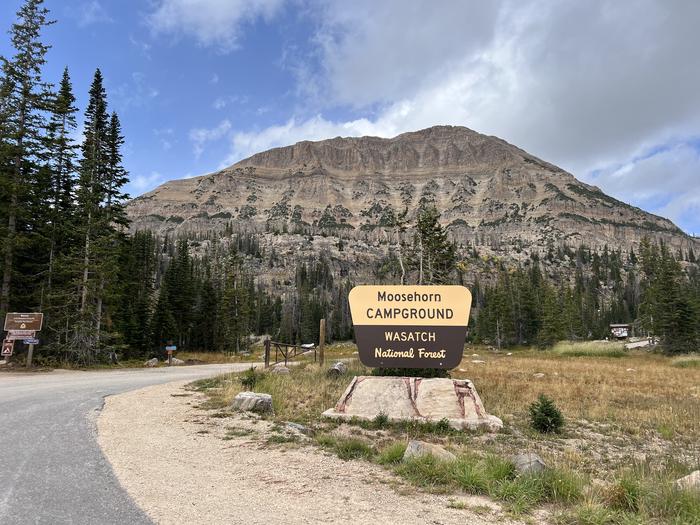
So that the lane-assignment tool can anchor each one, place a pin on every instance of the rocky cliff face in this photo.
(488, 191)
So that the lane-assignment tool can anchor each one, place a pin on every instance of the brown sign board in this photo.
(410, 326)
(16, 335)
(24, 321)
(7, 347)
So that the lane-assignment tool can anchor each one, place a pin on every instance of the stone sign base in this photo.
(415, 398)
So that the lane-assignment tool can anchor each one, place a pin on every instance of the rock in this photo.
(415, 399)
(418, 449)
(631, 370)
(477, 361)
(298, 428)
(509, 353)
(280, 370)
(538, 375)
(176, 362)
(253, 402)
(475, 355)
(338, 369)
(151, 362)
(528, 463)
(689, 482)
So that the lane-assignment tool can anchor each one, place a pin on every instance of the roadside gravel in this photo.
(173, 461)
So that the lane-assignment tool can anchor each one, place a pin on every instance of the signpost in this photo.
(22, 326)
(170, 348)
(410, 326)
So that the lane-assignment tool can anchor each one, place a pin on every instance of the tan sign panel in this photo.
(410, 326)
(24, 321)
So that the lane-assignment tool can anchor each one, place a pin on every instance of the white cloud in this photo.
(201, 136)
(133, 94)
(228, 100)
(142, 183)
(666, 180)
(587, 86)
(165, 137)
(210, 22)
(92, 12)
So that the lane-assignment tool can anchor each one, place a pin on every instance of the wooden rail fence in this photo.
(284, 352)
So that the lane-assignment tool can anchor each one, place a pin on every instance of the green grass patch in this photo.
(346, 448)
(589, 349)
(391, 454)
(686, 361)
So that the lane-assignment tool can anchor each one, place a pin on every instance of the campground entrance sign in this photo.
(410, 326)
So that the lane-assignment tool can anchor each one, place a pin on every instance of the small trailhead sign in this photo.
(410, 326)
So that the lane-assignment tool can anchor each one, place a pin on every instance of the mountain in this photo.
(488, 191)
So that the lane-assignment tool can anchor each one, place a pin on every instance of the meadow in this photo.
(632, 427)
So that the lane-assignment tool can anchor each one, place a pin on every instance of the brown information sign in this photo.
(27, 321)
(410, 326)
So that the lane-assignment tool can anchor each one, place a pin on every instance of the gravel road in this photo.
(182, 466)
(51, 467)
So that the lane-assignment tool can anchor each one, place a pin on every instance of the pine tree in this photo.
(25, 98)
(435, 253)
(62, 165)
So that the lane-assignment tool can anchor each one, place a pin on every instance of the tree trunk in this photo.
(9, 246)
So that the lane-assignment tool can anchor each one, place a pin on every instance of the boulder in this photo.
(298, 428)
(419, 449)
(338, 369)
(689, 482)
(280, 370)
(528, 463)
(415, 399)
(151, 362)
(176, 362)
(253, 402)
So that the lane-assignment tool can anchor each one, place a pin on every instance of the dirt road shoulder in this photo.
(181, 466)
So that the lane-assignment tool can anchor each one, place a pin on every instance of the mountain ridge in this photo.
(351, 187)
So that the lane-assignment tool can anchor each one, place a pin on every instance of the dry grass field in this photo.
(632, 427)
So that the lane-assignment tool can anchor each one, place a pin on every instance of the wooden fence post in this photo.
(267, 353)
(321, 341)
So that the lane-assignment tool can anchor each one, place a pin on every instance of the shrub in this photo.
(249, 378)
(545, 417)
(626, 494)
(381, 420)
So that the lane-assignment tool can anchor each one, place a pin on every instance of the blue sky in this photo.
(604, 89)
